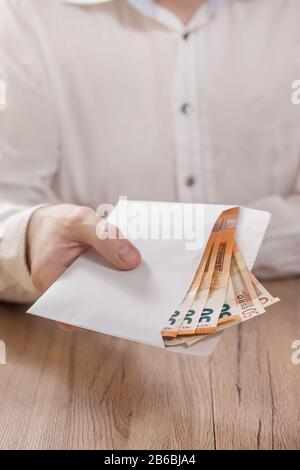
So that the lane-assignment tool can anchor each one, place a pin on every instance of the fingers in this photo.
(116, 249)
(107, 240)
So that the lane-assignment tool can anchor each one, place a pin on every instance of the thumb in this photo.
(108, 240)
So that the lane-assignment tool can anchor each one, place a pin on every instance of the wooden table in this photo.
(64, 390)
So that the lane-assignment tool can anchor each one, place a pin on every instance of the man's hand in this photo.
(57, 235)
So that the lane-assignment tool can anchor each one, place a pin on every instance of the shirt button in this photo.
(186, 108)
(190, 181)
(186, 36)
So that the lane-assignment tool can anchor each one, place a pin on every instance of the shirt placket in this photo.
(189, 156)
(189, 151)
(186, 121)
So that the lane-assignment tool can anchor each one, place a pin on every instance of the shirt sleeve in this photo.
(28, 143)
(280, 252)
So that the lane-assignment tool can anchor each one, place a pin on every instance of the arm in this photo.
(280, 252)
(28, 145)
(46, 238)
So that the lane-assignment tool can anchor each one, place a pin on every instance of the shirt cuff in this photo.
(18, 286)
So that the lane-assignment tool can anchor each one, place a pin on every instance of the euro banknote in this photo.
(223, 293)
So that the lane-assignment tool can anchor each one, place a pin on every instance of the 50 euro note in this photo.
(185, 317)
(230, 314)
(190, 320)
(243, 287)
(246, 299)
(178, 316)
(248, 307)
(245, 295)
(231, 309)
(209, 317)
(205, 312)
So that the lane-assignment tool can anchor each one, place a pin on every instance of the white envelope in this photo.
(137, 304)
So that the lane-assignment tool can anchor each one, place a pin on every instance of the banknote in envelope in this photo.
(223, 292)
(183, 294)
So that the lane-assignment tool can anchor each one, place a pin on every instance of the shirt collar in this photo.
(149, 8)
(85, 2)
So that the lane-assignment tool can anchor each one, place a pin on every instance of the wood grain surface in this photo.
(83, 390)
